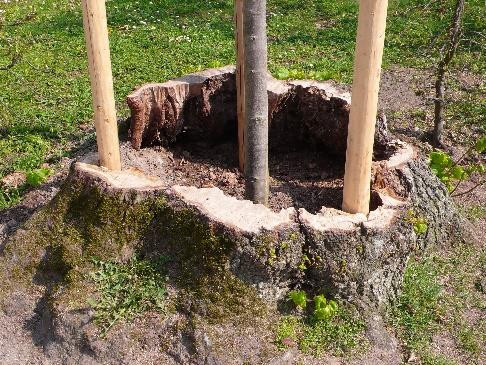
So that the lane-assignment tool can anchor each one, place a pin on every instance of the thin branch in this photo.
(455, 34)
(455, 188)
(470, 190)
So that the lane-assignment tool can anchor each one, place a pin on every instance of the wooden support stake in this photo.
(240, 81)
(97, 44)
(367, 69)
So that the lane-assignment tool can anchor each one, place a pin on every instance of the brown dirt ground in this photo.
(308, 179)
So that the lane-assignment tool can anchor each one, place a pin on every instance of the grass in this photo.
(45, 104)
(127, 290)
(474, 212)
(341, 335)
(439, 296)
(417, 311)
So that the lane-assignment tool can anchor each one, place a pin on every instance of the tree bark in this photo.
(256, 102)
(441, 70)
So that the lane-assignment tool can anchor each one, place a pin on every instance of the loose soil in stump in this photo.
(190, 125)
(301, 179)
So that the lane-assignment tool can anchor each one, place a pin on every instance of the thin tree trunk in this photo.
(256, 102)
(442, 69)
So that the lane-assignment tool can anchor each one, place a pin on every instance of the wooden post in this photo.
(367, 69)
(240, 81)
(97, 45)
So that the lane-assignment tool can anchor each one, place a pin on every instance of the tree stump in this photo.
(217, 241)
(355, 257)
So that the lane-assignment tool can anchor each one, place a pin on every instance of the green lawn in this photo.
(441, 295)
(45, 104)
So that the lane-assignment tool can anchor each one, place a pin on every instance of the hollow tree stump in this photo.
(216, 240)
(210, 235)
(203, 106)
(352, 256)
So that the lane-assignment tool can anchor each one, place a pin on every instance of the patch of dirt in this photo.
(476, 199)
(303, 179)
(28, 336)
(14, 179)
(403, 89)
(407, 98)
(443, 344)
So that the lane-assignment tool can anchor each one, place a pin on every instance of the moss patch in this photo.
(58, 244)
(208, 286)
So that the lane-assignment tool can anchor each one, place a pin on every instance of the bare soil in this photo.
(303, 179)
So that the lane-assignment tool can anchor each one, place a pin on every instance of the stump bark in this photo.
(202, 106)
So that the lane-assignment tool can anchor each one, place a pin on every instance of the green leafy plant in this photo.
(126, 290)
(9, 197)
(37, 177)
(299, 297)
(420, 225)
(323, 309)
(304, 263)
(453, 173)
(339, 335)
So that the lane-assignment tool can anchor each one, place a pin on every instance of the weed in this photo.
(329, 328)
(324, 310)
(429, 358)
(339, 336)
(299, 297)
(468, 340)
(126, 290)
(9, 197)
(420, 225)
(287, 331)
(452, 173)
(474, 212)
(37, 176)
